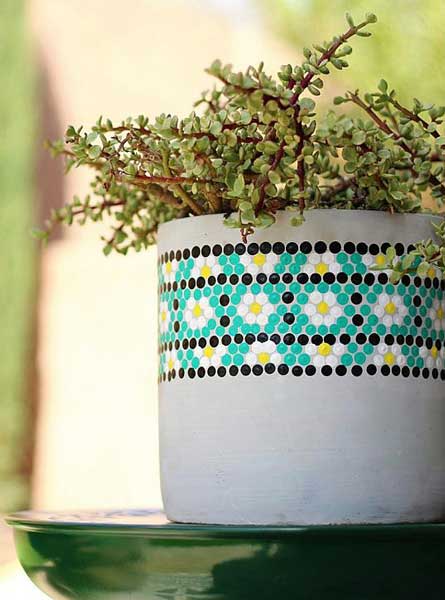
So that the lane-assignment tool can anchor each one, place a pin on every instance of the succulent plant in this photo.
(256, 145)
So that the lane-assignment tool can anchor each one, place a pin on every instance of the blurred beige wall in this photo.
(97, 427)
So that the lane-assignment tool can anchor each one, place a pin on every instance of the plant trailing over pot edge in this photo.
(256, 148)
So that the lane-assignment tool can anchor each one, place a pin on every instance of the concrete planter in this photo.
(296, 385)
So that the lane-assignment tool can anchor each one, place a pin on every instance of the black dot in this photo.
(183, 284)
(287, 278)
(360, 338)
(177, 344)
(400, 339)
(369, 279)
(202, 342)
(417, 281)
(315, 278)
(201, 372)
(275, 338)
(181, 373)
(226, 339)
(357, 320)
(192, 283)
(306, 247)
(240, 249)
(329, 278)
(419, 341)
(292, 248)
(193, 343)
(269, 368)
(429, 343)
(265, 247)
(349, 248)
(385, 370)
(224, 300)
(211, 371)
(233, 370)
(175, 304)
(417, 300)
(247, 278)
(340, 370)
(342, 277)
(416, 371)
(195, 252)
(302, 278)
(261, 278)
(185, 344)
(356, 298)
(238, 338)
(200, 282)
(283, 369)
(216, 250)
(435, 373)
(389, 339)
(250, 338)
(383, 278)
(345, 338)
(374, 249)
(191, 373)
(297, 371)
(427, 282)
(186, 253)
(221, 371)
(362, 248)
(278, 248)
(385, 247)
(396, 370)
(303, 339)
(356, 370)
(371, 369)
(176, 326)
(438, 344)
(222, 278)
(175, 286)
(374, 339)
(326, 370)
(399, 248)
(406, 280)
(335, 247)
(425, 373)
(409, 340)
(436, 283)
(233, 279)
(262, 337)
(418, 321)
(442, 374)
(356, 278)
(289, 339)
(253, 248)
(289, 318)
(310, 370)
(405, 371)
(329, 339)
(287, 297)
(317, 339)
(245, 370)
(214, 341)
(228, 249)
(320, 247)
(274, 278)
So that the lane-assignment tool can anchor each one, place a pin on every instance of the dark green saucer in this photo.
(138, 555)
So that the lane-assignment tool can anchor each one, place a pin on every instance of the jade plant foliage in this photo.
(256, 145)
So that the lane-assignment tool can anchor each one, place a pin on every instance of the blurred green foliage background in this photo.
(407, 46)
(16, 249)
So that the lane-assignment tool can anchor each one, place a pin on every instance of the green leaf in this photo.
(216, 128)
(94, 152)
(383, 86)
(358, 137)
(274, 177)
(238, 186)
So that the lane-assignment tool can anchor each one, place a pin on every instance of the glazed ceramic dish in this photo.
(140, 556)
(297, 384)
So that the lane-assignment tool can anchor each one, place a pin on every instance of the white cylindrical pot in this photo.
(298, 385)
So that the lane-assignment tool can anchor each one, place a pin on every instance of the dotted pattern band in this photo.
(296, 309)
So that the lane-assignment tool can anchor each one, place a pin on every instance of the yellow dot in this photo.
(206, 271)
(431, 272)
(440, 313)
(163, 315)
(380, 260)
(168, 267)
(197, 310)
(390, 308)
(434, 352)
(264, 357)
(321, 268)
(171, 364)
(259, 260)
(324, 349)
(255, 308)
(208, 351)
(389, 358)
(323, 308)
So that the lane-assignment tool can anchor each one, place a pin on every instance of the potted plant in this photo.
(301, 368)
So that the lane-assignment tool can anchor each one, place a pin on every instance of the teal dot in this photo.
(296, 348)
(401, 289)
(368, 349)
(231, 311)
(349, 288)
(349, 310)
(246, 328)
(281, 309)
(346, 360)
(290, 359)
(304, 359)
(377, 289)
(422, 310)
(342, 322)
(255, 328)
(195, 363)
(363, 289)
(323, 287)
(348, 269)
(412, 311)
(356, 258)
(232, 348)
(351, 329)
(280, 287)
(405, 350)
(179, 315)
(274, 319)
(410, 361)
(336, 288)
(389, 289)
(413, 330)
(279, 268)
(205, 331)
(419, 362)
(371, 298)
(282, 348)
(296, 328)
(220, 331)
(274, 298)
(283, 327)
(234, 258)
(286, 259)
(428, 302)
(361, 269)
(189, 354)
(301, 258)
(352, 347)
(294, 268)
(407, 320)
(423, 291)
(238, 360)
(322, 330)
(311, 329)
(415, 351)
(360, 358)
(403, 330)
(217, 289)
(197, 294)
(190, 263)
(207, 292)
(187, 294)
(255, 288)
(244, 348)
(239, 269)
(222, 259)
(367, 329)
(309, 288)
(424, 332)
(268, 288)
(394, 329)
(342, 299)
(235, 299)
(295, 309)
(219, 311)
(227, 289)
(241, 289)
(365, 310)
(302, 298)
(334, 329)
(302, 320)
(342, 258)
(269, 328)
(226, 360)
(233, 330)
